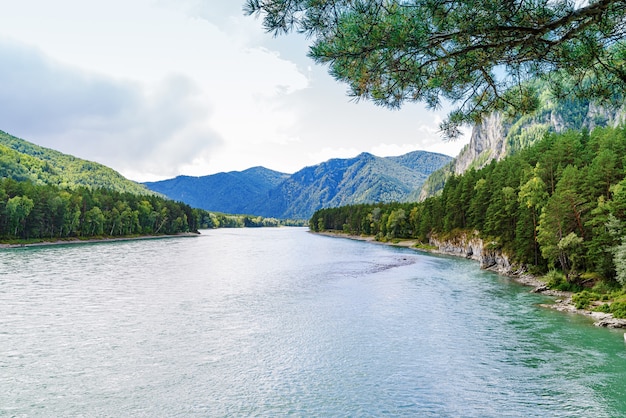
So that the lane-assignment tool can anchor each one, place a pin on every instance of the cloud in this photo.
(156, 88)
(328, 153)
(141, 129)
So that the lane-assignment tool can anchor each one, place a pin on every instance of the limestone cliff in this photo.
(497, 136)
(471, 246)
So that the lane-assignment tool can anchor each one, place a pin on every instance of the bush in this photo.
(606, 308)
(603, 287)
(555, 279)
(618, 309)
(584, 298)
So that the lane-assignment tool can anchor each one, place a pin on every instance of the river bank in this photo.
(563, 300)
(71, 241)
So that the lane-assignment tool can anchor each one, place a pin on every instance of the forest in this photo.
(556, 207)
(25, 161)
(31, 212)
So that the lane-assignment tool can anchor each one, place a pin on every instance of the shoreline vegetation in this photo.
(555, 209)
(91, 240)
(563, 299)
(34, 213)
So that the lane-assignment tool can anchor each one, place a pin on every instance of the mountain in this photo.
(22, 160)
(259, 191)
(498, 136)
(338, 182)
(231, 192)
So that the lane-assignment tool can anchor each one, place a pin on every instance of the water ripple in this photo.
(279, 322)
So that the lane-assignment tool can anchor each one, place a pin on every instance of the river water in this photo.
(281, 322)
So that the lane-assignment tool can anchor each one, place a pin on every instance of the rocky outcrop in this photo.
(497, 136)
(471, 246)
(487, 143)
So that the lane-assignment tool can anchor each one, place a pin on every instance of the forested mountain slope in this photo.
(558, 204)
(23, 161)
(259, 191)
(363, 179)
(497, 136)
(231, 192)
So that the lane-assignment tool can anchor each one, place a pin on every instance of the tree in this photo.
(396, 224)
(94, 222)
(620, 262)
(561, 216)
(17, 209)
(603, 240)
(477, 53)
(532, 196)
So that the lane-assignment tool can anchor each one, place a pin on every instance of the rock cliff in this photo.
(470, 246)
(498, 136)
(490, 257)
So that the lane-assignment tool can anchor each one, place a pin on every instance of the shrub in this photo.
(584, 298)
(618, 309)
(603, 287)
(606, 308)
(555, 279)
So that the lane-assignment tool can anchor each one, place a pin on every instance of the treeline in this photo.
(30, 211)
(39, 212)
(559, 204)
(211, 220)
(24, 161)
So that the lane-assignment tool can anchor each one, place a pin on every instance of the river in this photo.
(281, 322)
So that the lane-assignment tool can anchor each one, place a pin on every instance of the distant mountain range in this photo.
(363, 179)
(259, 191)
(256, 191)
(24, 161)
(234, 192)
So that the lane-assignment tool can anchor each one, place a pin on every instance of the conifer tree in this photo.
(477, 53)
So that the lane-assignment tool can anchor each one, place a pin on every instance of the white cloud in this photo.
(328, 152)
(147, 128)
(156, 88)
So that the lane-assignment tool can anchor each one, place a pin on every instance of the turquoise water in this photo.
(276, 322)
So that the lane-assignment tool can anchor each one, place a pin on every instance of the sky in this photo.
(160, 88)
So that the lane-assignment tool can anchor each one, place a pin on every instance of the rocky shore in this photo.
(95, 240)
(492, 259)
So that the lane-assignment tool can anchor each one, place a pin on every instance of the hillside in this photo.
(22, 160)
(230, 192)
(497, 136)
(259, 191)
(556, 208)
(363, 179)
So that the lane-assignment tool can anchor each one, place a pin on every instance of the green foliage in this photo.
(606, 308)
(480, 55)
(22, 161)
(620, 262)
(584, 298)
(43, 212)
(522, 131)
(547, 206)
(556, 280)
(618, 309)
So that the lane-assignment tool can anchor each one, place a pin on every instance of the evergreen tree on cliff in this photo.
(478, 54)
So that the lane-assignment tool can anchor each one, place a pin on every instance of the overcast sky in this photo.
(158, 88)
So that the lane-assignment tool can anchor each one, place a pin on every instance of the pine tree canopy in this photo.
(478, 54)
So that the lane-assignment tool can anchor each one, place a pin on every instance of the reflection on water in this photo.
(283, 322)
